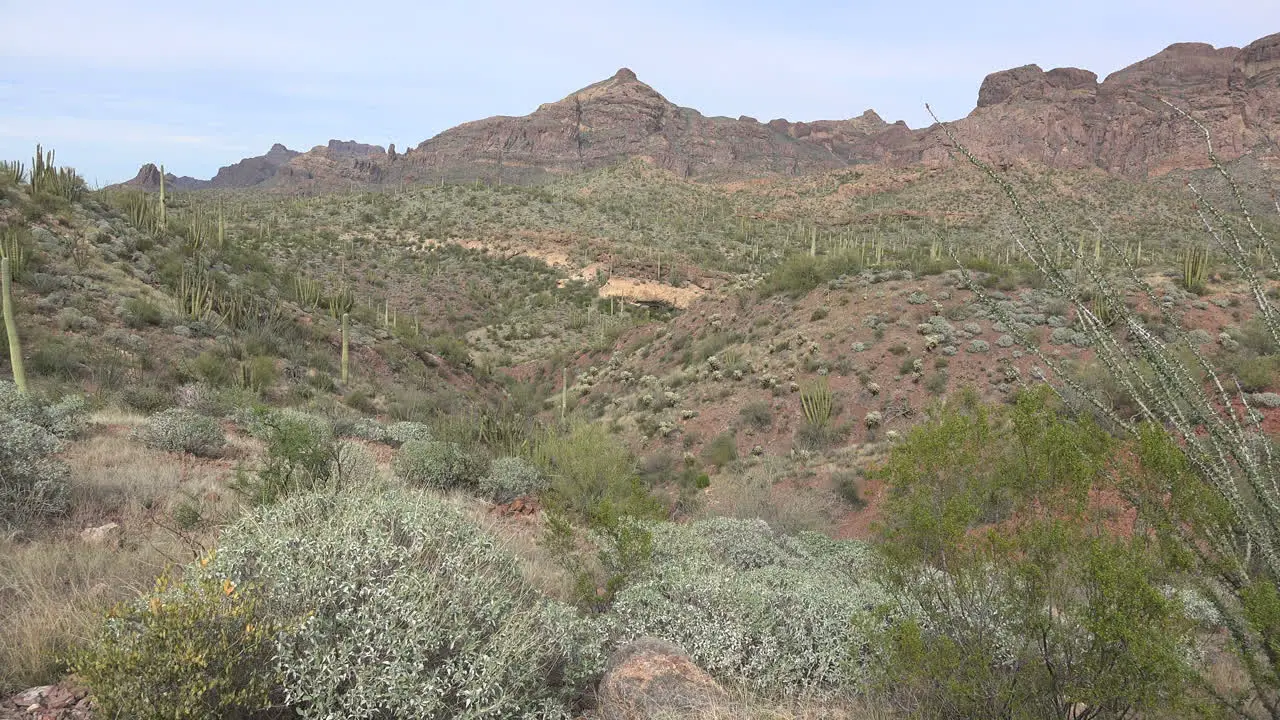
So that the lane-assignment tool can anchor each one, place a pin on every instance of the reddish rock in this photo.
(654, 678)
(1063, 118)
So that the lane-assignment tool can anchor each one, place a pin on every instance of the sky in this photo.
(197, 85)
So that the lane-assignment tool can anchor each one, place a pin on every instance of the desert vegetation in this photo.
(914, 445)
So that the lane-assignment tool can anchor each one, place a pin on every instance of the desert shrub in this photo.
(758, 415)
(509, 478)
(721, 451)
(436, 464)
(195, 647)
(362, 428)
(771, 611)
(181, 430)
(799, 274)
(1256, 374)
(140, 313)
(988, 614)
(405, 431)
(592, 476)
(65, 418)
(385, 580)
(849, 485)
(147, 398)
(33, 482)
(353, 464)
(213, 368)
(300, 456)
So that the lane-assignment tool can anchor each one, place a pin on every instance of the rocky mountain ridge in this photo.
(1061, 118)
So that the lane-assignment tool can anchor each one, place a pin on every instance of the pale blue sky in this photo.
(200, 84)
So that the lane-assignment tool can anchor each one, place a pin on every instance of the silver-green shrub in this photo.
(181, 430)
(33, 483)
(65, 418)
(510, 478)
(436, 464)
(402, 432)
(262, 424)
(362, 428)
(409, 610)
(748, 604)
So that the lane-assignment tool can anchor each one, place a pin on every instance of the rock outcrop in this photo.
(1062, 118)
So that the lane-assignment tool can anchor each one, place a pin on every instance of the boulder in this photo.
(650, 678)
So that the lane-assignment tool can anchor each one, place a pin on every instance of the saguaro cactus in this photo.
(163, 216)
(345, 352)
(11, 328)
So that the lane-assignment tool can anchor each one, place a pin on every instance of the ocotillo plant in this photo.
(11, 328)
(816, 402)
(345, 352)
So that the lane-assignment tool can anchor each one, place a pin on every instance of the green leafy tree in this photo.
(1015, 594)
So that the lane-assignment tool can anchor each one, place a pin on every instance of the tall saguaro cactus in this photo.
(345, 353)
(11, 328)
(163, 216)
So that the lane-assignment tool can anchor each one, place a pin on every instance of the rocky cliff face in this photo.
(1063, 118)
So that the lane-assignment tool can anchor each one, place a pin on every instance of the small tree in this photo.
(1012, 596)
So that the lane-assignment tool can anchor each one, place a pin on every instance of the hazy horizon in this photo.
(198, 88)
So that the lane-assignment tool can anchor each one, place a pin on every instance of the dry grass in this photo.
(768, 490)
(741, 704)
(54, 586)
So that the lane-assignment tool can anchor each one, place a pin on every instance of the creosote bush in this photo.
(1010, 596)
(181, 430)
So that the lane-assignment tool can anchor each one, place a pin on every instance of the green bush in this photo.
(196, 647)
(510, 478)
(301, 455)
(181, 430)
(139, 313)
(436, 464)
(758, 415)
(1009, 590)
(592, 476)
(721, 451)
(408, 610)
(33, 481)
(799, 274)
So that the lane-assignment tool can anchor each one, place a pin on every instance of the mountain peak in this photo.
(625, 75)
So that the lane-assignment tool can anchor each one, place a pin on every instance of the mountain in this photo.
(148, 178)
(1062, 118)
(1065, 118)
